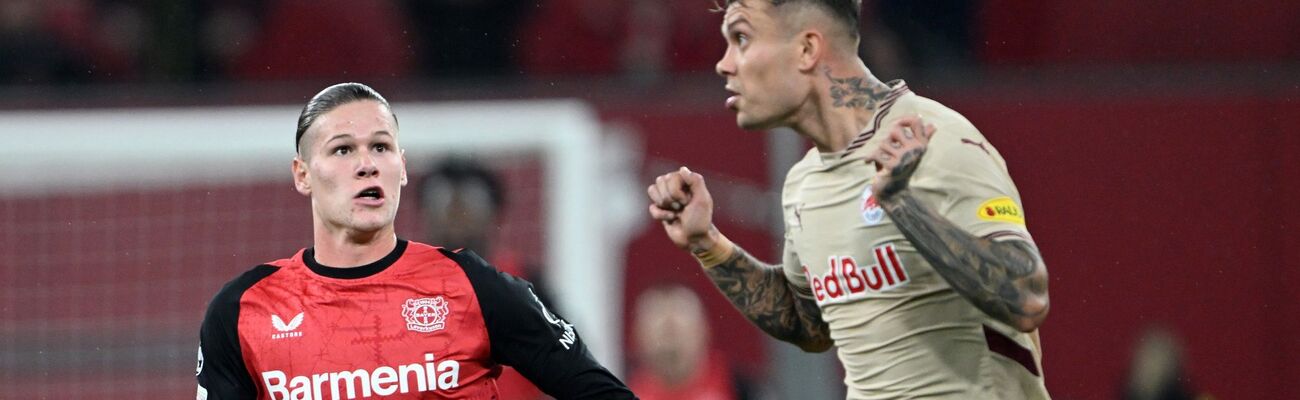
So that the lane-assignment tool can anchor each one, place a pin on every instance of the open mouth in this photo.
(373, 192)
(733, 99)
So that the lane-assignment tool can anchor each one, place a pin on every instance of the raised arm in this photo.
(681, 202)
(1005, 279)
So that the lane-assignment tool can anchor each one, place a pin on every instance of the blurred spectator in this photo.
(460, 201)
(934, 33)
(227, 30)
(465, 37)
(35, 42)
(1157, 372)
(334, 39)
(674, 359)
(640, 37)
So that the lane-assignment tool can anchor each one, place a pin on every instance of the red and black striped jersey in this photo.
(421, 323)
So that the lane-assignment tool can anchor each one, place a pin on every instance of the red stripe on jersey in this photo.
(880, 116)
(1000, 344)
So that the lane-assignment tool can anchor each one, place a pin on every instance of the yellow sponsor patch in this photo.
(1001, 209)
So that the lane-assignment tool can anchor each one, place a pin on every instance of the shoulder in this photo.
(957, 144)
(233, 290)
(480, 273)
(806, 165)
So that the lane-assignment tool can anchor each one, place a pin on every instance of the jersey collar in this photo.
(309, 258)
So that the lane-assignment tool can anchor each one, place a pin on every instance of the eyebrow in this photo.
(740, 19)
(349, 135)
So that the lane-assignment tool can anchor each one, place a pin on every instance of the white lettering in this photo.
(448, 375)
(318, 382)
(382, 381)
(348, 377)
(301, 386)
(415, 370)
(278, 386)
(384, 376)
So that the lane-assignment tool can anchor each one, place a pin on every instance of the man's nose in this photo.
(367, 167)
(725, 66)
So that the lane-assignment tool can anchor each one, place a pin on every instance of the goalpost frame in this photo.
(71, 151)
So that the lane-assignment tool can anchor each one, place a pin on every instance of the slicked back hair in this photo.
(846, 12)
(333, 97)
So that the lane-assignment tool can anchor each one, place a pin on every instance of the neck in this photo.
(844, 102)
(343, 248)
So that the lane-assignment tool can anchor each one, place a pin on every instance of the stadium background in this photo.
(1153, 144)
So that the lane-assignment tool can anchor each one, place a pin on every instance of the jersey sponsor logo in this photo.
(199, 369)
(425, 315)
(1001, 209)
(871, 212)
(382, 381)
(286, 330)
(569, 337)
(845, 280)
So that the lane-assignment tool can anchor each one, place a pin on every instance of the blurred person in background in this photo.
(643, 39)
(905, 244)
(227, 30)
(1157, 371)
(320, 39)
(934, 34)
(461, 202)
(674, 358)
(366, 313)
(35, 42)
(465, 37)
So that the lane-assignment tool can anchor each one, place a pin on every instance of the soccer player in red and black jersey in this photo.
(364, 314)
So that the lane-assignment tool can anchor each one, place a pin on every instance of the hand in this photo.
(899, 155)
(680, 201)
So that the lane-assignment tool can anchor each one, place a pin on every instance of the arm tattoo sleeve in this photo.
(762, 293)
(998, 277)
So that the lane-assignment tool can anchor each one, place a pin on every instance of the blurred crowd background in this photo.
(1153, 143)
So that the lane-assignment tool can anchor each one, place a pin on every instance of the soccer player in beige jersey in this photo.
(905, 240)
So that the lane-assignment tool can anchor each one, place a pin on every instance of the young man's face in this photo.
(352, 167)
(760, 65)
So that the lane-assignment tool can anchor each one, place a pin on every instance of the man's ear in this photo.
(812, 48)
(403, 167)
(300, 175)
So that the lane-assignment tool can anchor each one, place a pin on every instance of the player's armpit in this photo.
(762, 293)
(540, 344)
(1005, 279)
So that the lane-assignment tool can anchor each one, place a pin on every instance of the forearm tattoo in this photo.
(762, 293)
(856, 91)
(998, 277)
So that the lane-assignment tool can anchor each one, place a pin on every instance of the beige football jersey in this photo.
(900, 329)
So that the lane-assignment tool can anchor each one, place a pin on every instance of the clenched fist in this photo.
(899, 155)
(680, 201)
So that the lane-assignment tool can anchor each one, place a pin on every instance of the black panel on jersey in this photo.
(309, 258)
(540, 345)
(223, 372)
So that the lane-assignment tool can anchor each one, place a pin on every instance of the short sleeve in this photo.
(963, 175)
(794, 269)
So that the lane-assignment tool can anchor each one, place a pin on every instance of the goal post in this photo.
(139, 178)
